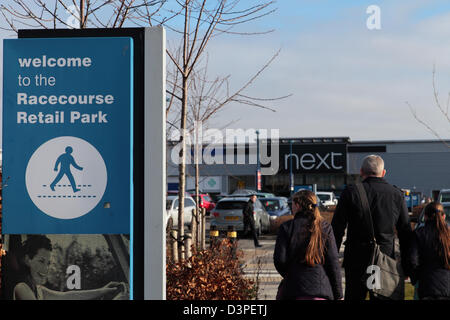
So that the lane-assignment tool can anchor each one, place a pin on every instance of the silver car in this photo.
(229, 212)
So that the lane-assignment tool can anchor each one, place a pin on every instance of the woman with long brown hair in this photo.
(430, 255)
(306, 254)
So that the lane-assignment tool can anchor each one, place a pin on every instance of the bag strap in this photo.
(366, 209)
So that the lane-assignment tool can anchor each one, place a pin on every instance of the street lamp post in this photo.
(291, 174)
(258, 165)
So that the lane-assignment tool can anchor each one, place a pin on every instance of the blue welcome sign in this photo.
(67, 135)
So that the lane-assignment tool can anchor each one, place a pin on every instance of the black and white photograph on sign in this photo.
(66, 267)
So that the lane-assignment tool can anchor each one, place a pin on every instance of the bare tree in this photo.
(444, 110)
(78, 13)
(194, 22)
(207, 98)
(203, 20)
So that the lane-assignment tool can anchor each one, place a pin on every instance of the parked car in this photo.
(205, 201)
(217, 197)
(243, 192)
(276, 207)
(229, 212)
(248, 192)
(328, 198)
(444, 196)
(172, 204)
(262, 195)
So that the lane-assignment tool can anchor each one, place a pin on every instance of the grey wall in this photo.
(425, 165)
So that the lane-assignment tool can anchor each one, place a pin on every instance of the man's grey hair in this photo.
(372, 165)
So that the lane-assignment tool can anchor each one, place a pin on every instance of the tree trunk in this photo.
(81, 14)
(194, 228)
(203, 230)
(182, 171)
(174, 244)
(197, 189)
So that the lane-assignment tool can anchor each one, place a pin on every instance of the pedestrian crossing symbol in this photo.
(79, 182)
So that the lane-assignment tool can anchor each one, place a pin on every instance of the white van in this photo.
(327, 198)
(444, 196)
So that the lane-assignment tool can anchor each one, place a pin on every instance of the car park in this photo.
(276, 206)
(172, 204)
(229, 212)
(327, 198)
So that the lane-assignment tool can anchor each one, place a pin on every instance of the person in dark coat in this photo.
(389, 214)
(430, 255)
(306, 255)
(249, 220)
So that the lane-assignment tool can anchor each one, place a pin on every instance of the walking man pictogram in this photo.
(65, 160)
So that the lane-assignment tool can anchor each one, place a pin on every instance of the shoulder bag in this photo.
(386, 277)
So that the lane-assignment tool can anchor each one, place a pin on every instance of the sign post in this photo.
(80, 137)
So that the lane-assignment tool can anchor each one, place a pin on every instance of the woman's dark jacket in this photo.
(322, 280)
(427, 265)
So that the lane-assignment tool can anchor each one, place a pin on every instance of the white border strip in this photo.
(155, 164)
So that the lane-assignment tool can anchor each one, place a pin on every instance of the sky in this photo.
(344, 79)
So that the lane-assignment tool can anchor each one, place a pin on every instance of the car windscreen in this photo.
(445, 197)
(271, 205)
(231, 205)
(324, 197)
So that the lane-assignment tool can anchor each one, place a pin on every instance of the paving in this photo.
(258, 266)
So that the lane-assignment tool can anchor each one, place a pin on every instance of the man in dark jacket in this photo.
(389, 215)
(249, 220)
